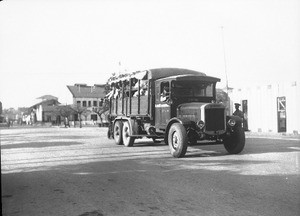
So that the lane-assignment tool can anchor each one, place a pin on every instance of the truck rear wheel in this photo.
(118, 133)
(235, 143)
(177, 140)
(126, 134)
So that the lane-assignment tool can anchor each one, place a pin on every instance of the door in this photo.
(162, 106)
(245, 111)
(281, 114)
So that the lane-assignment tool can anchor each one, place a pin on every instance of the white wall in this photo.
(262, 105)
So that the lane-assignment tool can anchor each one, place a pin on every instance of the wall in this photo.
(262, 105)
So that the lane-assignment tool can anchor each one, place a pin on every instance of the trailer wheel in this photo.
(118, 132)
(235, 143)
(177, 139)
(126, 134)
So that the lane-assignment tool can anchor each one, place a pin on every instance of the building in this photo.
(271, 107)
(88, 97)
(45, 110)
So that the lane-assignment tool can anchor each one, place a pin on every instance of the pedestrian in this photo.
(237, 111)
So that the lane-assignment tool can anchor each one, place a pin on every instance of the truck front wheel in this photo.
(126, 133)
(118, 133)
(177, 140)
(235, 143)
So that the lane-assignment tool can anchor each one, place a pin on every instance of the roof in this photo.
(84, 91)
(47, 97)
(46, 103)
(155, 74)
(191, 77)
(166, 72)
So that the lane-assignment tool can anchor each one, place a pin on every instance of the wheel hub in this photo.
(175, 140)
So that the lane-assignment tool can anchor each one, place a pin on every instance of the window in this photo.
(48, 118)
(94, 117)
(193, 89)
(164, 91)
(90, 103)
(94, 103)
(84, 103)
(78, 103)
(101, 103)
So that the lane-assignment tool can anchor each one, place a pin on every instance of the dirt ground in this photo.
(73, 171)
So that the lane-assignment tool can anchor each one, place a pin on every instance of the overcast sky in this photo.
(46, 45)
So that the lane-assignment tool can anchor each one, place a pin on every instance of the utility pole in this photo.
(225, 68)
(224, 53)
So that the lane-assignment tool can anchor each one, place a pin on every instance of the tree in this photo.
(65, 111)
(79, 110)
(9, 115)
(102, 110)
(222, 97)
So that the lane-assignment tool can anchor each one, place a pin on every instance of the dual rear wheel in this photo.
(122, 133)
(177, 137)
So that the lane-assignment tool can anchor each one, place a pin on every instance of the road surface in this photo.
(73, 171)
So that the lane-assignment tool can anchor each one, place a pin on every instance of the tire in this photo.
(177, 139)
(235, 143)
(118, 132)
(126, 134)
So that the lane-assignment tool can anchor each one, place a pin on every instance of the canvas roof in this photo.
(155, 74)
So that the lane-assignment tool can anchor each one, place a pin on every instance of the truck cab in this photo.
(180, 107)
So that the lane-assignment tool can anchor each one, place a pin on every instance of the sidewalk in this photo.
(273, 135)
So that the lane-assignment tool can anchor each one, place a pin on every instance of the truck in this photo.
(177, 106)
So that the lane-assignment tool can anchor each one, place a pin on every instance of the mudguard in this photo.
(237, 119)
(133, 124)
(185, 122)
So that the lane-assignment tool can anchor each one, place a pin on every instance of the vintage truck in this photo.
(176, 105)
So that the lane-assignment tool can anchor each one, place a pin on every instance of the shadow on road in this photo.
(39, 145)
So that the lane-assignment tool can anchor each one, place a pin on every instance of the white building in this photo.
(271, 107)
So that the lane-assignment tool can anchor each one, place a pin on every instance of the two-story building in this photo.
(88, 97)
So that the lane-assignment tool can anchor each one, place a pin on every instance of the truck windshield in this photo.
(192, 89)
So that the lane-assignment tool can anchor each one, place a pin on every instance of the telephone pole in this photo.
(224, 53)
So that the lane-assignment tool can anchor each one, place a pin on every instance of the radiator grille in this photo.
(214, 119)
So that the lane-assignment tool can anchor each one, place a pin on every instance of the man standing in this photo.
(238, 112)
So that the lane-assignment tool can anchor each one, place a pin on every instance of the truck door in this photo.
(162, 106)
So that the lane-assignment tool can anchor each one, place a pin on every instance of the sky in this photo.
(47, 45)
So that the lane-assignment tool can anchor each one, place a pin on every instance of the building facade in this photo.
(88, 97)
(45, 110)
(269, 108)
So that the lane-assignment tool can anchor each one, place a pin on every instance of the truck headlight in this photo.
(231, 122)
(201, 124)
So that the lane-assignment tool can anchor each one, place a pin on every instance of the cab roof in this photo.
(159, 73)
(191, 77)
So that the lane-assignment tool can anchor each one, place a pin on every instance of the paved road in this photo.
(73, 171)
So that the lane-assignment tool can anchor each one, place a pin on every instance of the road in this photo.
(73, 171)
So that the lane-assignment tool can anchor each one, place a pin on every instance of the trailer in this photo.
(175, 105)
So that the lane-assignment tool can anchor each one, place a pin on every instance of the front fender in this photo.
(237, 119)
(185, 122)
